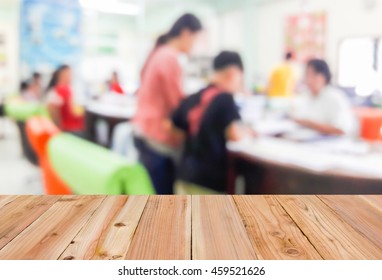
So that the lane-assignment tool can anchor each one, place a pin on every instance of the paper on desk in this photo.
(274, 127)
(289, 130)
(342, 145)
(283, 152)
(301, 134)
(311, 156)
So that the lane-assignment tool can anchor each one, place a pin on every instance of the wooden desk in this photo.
(266, 172)
(191, 227)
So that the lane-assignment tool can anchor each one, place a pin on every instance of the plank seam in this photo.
(107, 228)
(136, 228)
(82, 227)
(298, 226)
(344, 221)
(191, 228)
(244, 225)
(5, 245)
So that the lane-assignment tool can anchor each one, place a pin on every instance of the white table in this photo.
(113, 106)
(112, 109)
(333, 166)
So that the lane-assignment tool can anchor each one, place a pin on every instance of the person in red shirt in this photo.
(114, 85)
(60, 102)
(160, 93)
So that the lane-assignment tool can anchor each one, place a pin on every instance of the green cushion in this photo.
(21, 111)
(90, 169)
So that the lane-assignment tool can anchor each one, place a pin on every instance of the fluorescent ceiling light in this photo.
(111, 7)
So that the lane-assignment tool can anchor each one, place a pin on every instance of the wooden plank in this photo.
(4, 200)
(273, 234)
(18, 213)
(373, 200)
(332, 237)
(361, 215)
(217, 230)
(116, 239)
(52, 232)
(164, 232)
(84, 245)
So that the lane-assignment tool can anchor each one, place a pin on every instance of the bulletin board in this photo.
(50, 32)
(305, 35)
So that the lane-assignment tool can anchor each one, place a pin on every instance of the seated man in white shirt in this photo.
(324, 108)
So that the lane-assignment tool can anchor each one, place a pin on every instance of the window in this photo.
(360, 65)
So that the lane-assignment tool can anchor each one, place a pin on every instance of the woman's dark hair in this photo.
(55, 76)
(36, 75)
(161, 40)
(321, 67)
(289, 56)
(186, 22)
(226, 59)
(24, 85)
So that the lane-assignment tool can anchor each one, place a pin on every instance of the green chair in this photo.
(90, 169)
(21, 111)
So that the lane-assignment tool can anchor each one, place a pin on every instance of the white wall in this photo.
(236, 34)
(114, 32)
(346, 18)
(256, 30)
(9, 25)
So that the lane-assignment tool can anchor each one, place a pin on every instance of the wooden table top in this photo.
(191, 227)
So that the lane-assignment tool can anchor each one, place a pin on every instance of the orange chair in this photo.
(53, 184)
(370, 123)
(39, 131)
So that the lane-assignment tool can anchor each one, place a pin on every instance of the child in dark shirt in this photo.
(208, 120)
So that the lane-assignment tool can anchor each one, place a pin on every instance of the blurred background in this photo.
(99, 37)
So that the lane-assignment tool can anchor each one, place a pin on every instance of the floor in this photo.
(17, 175)
(191, 227)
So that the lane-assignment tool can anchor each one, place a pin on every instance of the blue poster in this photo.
(50, 34)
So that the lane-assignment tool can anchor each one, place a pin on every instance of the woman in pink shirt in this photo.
(160, 93)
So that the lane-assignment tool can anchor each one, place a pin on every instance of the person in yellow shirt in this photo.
(282, 81)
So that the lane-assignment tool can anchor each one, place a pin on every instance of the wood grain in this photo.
(373, 200)
(84, 245)
(185, 227)
(164, 232)
(116, 239)
(357, 212)
(4, 200)
(330, 235)
(217, 230)
(18, 213)
(51, 233)
(273, 234)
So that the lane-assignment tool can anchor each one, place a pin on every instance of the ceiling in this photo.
(160, 6)
(218, 5)
(151, 5)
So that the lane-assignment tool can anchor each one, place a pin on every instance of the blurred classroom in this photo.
(190, 97)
